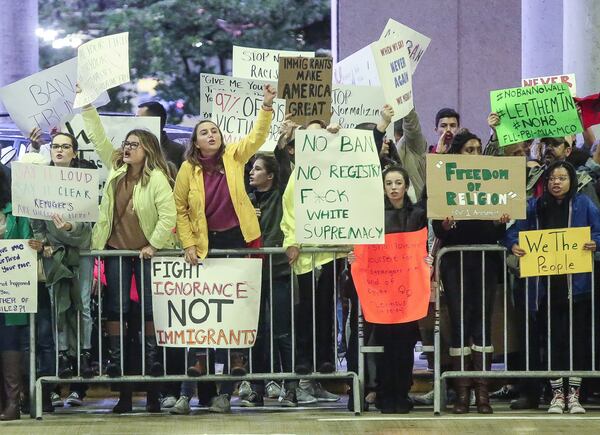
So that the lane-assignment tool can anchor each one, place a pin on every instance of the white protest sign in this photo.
(18, 280)
(235, 114)
(358, 69)
(44, 99)
(102, 64)
(353, 105)
(569, 79)
(40, 191)
(260, 63)
(416, 43)
(393, 65)
(213, 304)
(116, 128)
(338, 195)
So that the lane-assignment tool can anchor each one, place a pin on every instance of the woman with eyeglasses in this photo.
(137, 212)
(560, 206)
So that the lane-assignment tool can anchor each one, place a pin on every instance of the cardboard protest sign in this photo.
(358, 69)
(44, 99)
(214, 304)
(18, 280)
(234, 114)
(416, 43)
(338, 195)
(116, 128)
(394, 68)
(590, 110)
(535, 111)
(214, 82)
(40, 191)
(392, 280)
(102, 63)
(555, 252)
(305, 85)
(568, 79)
(353, 105)
(260, 63)
(475, 187)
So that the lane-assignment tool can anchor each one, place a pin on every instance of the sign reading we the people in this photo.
(338, 195)
(392, 280)
(475, 187)
(555, 252)
(40, 191)
(568, 79)
(535, 111)
(215, 303)
(102, 63)
(18, 277)
(260, 63)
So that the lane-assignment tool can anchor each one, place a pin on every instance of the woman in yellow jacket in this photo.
(213, 207)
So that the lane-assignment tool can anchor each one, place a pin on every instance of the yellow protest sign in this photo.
(555, 252)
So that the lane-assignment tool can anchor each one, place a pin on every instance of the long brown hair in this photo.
(192, 154)
(154, 156)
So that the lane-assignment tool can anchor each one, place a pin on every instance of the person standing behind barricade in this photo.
(560, 206)
(137, 212)
(214, 211)
(447, 124)
(473, 347)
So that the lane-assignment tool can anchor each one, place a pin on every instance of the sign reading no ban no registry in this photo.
(475, 187)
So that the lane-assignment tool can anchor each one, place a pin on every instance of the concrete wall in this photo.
(475, 48)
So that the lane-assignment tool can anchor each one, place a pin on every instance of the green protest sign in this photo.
(534, 111)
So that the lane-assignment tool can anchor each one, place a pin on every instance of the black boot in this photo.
(113, 368)
(85, 364)
(153, 357)
(65, 367)
(152, 399)
(46, 401)
(124, 404)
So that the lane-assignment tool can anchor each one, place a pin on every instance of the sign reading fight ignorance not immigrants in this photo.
(475, 187)
(338, 196)
(555, 252)
(18, 277)
(305, 85)
(392, 280)
(213, 304)
(260, 63)
(40, 191)
(535, 111)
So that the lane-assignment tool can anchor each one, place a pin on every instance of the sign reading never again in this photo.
(475, 187)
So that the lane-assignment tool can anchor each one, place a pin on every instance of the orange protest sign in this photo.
(392, 280)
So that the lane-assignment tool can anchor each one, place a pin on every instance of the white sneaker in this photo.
(304, 398)
(74, 399)
(573, 404)
(273, 390)
(244, 389)
(557, 405)
(168, 402)
(182, 407)
(57, 402)
(316, 390)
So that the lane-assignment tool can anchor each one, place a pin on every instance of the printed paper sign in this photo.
(358, 69)
(353, 105)
(18, 280)
(392, 280)
(40, 191)
(393, 66)
(235, 114)
(555, 252)
(475, 187)
(305, 85)
(44, 99)
(102, 64)
(568, 79)
(260, 63)
(535, 111)
(214, 304)
(415, 41)
(338, 196)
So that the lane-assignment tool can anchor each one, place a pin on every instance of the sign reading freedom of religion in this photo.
(392, 280)
(260, 63)
(555, 252)
(305, 85)
(535, 111)
(338, 195)
(213, 304)
(18, 277)
(475, 187)
(568, 79)
(40, 191)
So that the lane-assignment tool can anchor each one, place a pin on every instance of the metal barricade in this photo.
(101, 378)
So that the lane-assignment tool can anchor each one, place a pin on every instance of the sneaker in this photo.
(424, 399)
(304, 398)
(557, 405)
(371, 398)
(57, 402)
(244, 389)
(573, 404)
(220, 404)
(74, 399)
(181, 407)
(168, 402)
(507, 392)
(254, 399)
(289, 400)
(472, 398)
(273, 390)
(316, 390)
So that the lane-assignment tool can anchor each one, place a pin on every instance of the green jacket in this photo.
(16, 228)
